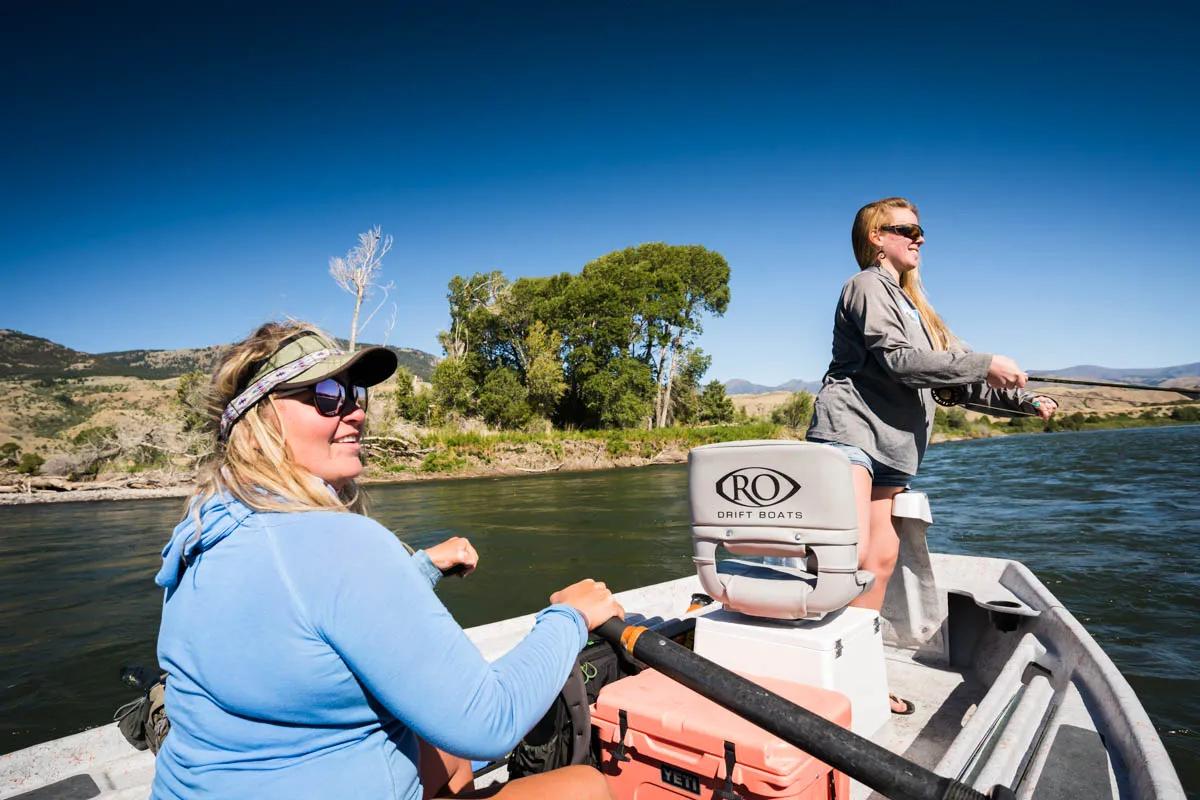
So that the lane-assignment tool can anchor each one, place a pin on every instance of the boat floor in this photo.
(942, 699)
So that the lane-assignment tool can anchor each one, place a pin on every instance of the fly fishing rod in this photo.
(956, 395)
(884, 771)
(1192, 393)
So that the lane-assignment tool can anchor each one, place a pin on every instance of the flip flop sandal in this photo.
(908, 706)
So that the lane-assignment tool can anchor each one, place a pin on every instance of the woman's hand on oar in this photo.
(592, 599)
(455, 556)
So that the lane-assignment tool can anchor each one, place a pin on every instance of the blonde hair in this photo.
(867, 221)
(255, 464)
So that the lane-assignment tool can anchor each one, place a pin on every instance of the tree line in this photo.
(612, 346)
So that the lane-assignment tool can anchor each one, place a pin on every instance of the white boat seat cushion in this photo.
(783, 500)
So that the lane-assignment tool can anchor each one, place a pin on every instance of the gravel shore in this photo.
(89, 495)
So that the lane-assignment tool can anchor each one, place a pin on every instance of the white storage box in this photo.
(842, 652)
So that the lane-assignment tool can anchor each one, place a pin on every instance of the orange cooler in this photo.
(675, 742)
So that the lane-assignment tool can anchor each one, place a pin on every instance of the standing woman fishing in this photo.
(890, 348)
(307, 655)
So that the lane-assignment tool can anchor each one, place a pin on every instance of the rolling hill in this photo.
(26, 356)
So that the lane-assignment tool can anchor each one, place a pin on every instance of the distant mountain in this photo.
(739, 386)
(25, 356)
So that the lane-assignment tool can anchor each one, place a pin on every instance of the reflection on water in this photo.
(1109, 520)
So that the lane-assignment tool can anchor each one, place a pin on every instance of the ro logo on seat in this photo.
(756, 487)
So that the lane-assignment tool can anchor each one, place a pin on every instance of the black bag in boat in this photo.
(563, 736)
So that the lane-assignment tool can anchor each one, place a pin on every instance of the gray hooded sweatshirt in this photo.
(875, 394)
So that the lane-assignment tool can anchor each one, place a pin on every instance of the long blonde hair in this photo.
(255, 464)
(866, 222)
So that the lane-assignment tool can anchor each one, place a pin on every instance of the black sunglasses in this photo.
(330, 397)
(913, 232)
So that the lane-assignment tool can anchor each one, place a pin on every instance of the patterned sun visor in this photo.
(257, 390)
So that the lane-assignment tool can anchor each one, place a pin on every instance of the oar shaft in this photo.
(863, 760)
(1111, 385)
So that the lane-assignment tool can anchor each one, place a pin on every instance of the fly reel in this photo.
(948, 396)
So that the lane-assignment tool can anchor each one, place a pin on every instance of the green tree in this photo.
(544, 372)
(565, 334)
(503, 400)
(622, 393)
(685, 398)
(795, 412)
(646, 302)
(454, 390)
(715, 405)
(410, 404)
(10, 453)
(405, 398)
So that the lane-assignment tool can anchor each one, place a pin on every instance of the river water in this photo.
(1109, 520)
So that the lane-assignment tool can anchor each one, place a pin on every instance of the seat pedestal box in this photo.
(842, 652)
(675, 743)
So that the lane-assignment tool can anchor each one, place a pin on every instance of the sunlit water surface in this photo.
(1109, 520)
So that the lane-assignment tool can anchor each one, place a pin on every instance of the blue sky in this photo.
(175, 177)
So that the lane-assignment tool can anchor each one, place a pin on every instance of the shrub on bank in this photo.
(30, 464)
(796, 412)
(1186, 413)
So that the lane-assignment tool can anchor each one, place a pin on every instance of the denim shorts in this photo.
(881, 474)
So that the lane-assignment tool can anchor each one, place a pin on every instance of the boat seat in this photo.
(789, 503)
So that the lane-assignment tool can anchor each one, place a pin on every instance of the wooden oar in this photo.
(887, 773)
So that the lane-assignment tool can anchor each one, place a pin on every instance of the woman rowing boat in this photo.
(307, 654)
(890, 348)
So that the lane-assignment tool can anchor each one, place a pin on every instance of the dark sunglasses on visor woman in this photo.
(312, 365)
(331, 397)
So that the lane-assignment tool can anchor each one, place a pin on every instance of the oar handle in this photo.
(887, 773)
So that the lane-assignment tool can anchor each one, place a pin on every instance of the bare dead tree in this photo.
(358, 273)
(391, 325)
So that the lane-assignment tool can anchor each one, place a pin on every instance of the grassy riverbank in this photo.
(446, 452)
(955, 424)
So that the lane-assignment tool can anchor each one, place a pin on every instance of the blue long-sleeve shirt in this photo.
(306, 652)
